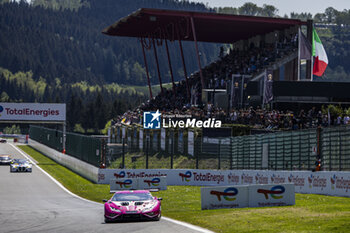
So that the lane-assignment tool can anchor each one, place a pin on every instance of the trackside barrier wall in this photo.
(240, 196)
(84, 169)
(85, 148)
(138, 183)
(328, 183)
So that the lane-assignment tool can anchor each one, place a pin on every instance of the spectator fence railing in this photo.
(135, 147)
(85, 148)
(283, 150)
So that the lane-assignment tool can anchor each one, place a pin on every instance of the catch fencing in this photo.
(136, 148)
(86, 148)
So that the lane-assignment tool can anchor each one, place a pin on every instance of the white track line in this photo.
(193, 227)
(190, 226)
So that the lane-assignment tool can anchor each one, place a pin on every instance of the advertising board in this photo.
(123, 184)
(328, 183)
(32, 112)
(152, 183)
(240, 196)
(224, 197)
(137, 183)
(263, 195)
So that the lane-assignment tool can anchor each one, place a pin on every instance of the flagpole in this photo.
(299, 41)
(312, 51)
(312, 68)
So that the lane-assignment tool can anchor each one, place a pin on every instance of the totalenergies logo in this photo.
(120, 175)
(274, 191)
(228, 194)
(153, 182)
(186, 177)
(1, 110)
(125, 183)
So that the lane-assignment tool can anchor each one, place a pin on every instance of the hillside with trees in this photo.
(88, 107)
(65, 41)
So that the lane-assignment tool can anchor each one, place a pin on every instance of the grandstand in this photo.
(259, 47)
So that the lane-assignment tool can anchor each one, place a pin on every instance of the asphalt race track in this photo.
(32, 202)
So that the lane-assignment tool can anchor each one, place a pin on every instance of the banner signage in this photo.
(32, 112)
(240, 196)
(263, 195)
(328, 183)
(224, 197)
(123, 184)
(152, 183)
(138, 183)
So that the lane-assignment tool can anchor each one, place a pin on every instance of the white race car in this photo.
(5, 160)
(20, 165)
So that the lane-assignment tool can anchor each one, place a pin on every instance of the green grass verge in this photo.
(312, 213)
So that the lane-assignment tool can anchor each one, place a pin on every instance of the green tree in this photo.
(269, 10)
(330, 14)
(138, 73)
(4, 97)
(79, 129)
(249, 8)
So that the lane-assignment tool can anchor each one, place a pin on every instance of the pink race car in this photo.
(132, 204)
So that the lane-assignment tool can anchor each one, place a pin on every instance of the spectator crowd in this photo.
(257, 118)
(249, 62)
(185, 97)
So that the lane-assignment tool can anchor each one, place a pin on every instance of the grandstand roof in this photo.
(209, 27)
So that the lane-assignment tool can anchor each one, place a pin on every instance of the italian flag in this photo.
(321, 59)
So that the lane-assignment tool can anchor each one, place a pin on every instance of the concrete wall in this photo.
(80, 167)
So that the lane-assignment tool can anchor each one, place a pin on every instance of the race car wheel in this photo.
(108, 220)
(157, 218)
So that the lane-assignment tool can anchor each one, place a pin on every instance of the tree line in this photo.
(86, 110)
(63, 39)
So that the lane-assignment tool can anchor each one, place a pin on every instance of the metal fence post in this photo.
(172, 133)
(219, 156)
(231, 153)
(196, 153)
(319, 147)
(340, 153)
(309, 153)
(123, 153)
(300, 167)
(330, 151)
(147, 148)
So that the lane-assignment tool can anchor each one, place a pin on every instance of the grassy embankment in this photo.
(312, 213)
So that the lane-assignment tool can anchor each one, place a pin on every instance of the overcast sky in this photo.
(285, 6)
